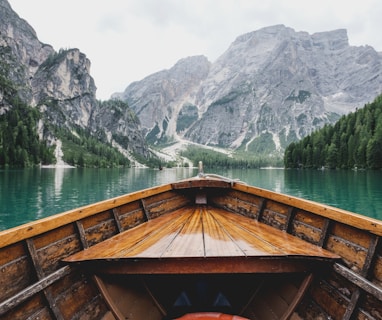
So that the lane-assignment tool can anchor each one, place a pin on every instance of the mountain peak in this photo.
(269, 88)
(270, 31)
(332, 40)
(60, 88)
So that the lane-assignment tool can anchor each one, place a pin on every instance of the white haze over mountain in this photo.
(127, 40)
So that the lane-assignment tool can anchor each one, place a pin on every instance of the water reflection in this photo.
(58, 180)
(30, 194)
(271, 179)
(356, 191)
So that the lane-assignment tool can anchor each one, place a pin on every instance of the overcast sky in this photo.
(127, 40)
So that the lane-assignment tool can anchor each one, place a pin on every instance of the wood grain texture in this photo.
(235, 229)
(201, 231)
(343, 216)
(34, 228)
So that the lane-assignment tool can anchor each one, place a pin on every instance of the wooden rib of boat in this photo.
(201, 248)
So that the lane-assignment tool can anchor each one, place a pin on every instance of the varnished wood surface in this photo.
(201, 231)
(349, 218)
(32, 229)
(40, 226)
(248, 238)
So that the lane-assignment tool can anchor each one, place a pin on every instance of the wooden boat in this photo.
(201, 248)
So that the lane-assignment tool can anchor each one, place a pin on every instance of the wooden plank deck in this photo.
(202, 233)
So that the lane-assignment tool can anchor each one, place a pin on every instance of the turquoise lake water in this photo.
(30, 194)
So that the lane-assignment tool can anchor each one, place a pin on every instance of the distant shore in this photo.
(57, 166)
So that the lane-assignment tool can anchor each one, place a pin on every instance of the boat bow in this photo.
(203, 239)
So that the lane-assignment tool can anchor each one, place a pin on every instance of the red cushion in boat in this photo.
(210, 315)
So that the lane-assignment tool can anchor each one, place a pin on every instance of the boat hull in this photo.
(39, 282)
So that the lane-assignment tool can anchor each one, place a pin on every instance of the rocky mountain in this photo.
(271, 87)
(60, 87)
(160, 98)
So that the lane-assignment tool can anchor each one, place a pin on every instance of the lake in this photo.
(30, 194)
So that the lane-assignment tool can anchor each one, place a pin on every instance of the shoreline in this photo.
(57, 166)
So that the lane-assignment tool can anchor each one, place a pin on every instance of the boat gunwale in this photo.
(34, 228)
(256, 198)
(336, 214)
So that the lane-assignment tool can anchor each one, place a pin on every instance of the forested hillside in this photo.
(19, 143)
(21, 146)
(214, 159)
(355, 141)
(262, 100)
(49, 113)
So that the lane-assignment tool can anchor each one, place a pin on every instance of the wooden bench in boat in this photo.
(202, 239)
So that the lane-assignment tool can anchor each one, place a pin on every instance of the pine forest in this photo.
(353, 142)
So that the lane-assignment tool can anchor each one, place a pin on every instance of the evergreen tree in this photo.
(351, 161)
(331, 157)
(354, 141)
(19, 143)
(373, 154)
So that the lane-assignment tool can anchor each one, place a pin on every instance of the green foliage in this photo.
(7, 87)
(82, 149)
(187, 115)
(119, 109)
(20, 145)
(154, 162)
(287, 138)
(214, 159)
(263, 144)
(157, 138)
(355, 140)
(54, 58)
(152, 136)
(301, 97)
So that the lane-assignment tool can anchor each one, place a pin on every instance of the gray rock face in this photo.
(63, 83)
(59, 84)
(271, 87)
(158, 99)
(22, 52)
